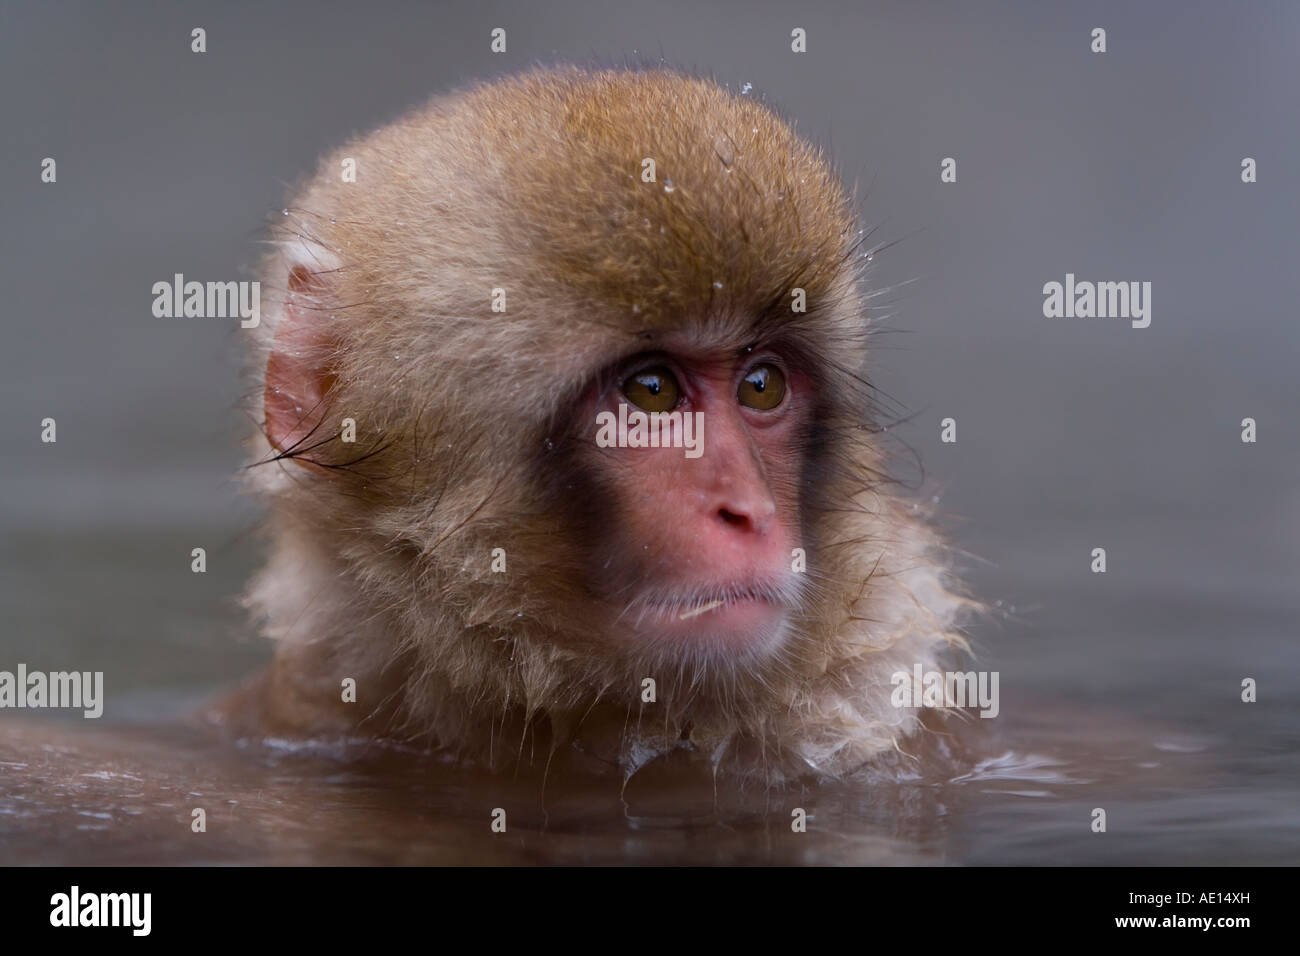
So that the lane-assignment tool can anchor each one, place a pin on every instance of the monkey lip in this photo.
(690, 606)
(747, 616)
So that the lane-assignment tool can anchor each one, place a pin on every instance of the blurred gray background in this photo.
(1073, 434)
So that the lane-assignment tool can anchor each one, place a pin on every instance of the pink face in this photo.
(700, 558)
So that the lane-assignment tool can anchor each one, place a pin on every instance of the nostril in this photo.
(731, 518)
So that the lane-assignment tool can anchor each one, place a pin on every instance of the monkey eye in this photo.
(654, 390)
(762, 388)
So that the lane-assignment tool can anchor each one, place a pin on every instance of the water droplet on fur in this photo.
(333, 221)
(745, 88)
(550, 445)
(668, 186)
(717, 285)
(284, 212)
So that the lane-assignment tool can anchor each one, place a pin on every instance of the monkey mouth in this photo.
(689, 605)
(750, 616)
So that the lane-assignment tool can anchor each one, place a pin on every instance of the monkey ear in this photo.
(299, 373)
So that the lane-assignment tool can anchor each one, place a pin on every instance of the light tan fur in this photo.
(380, 562)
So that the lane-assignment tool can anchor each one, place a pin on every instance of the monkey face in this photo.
(695, 454)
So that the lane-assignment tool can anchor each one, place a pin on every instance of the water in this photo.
(116, 796)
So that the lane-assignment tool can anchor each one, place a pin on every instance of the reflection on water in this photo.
(120, 795)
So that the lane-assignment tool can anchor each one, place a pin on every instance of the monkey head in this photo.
(566, 428)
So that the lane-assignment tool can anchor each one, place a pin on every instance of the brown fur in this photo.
(380, 562)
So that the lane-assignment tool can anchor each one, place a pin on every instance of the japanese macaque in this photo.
(466, 303)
